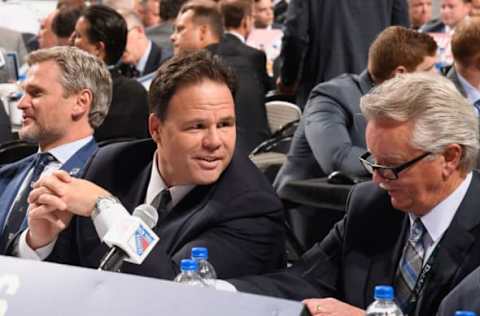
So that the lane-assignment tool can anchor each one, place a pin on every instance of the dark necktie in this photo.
(160, 202)
(20, 205)
(476, 104)
(410, 264)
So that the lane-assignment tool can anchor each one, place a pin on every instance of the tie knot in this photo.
(44, 159)
(416, 231)
(162, 199)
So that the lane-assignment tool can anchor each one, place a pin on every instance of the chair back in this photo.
(280, 113)
(16, 150)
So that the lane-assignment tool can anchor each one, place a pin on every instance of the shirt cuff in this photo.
(104, 219)
(225, 286)
(23, 250)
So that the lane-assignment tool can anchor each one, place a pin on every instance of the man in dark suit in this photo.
(312, 52)
(416, 226)
(465, 73)
(463, 297)
(452, 12)
(102, 32)
(199, 25)
(331, 134)
(66, 95)
(141, 55)
(218, 197)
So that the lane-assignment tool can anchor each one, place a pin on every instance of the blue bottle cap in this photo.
(199, 253)
(383, 292)
(465, 313)
(188, 265)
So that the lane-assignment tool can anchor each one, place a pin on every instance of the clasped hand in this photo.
(53, 201)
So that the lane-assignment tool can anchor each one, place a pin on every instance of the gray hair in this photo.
(132, 19)
(441, 115)
(80, 70)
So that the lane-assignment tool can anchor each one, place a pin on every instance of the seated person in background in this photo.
(331, 133)
(198, 26)
(66, 96)
(263, 14)
(452, 12)
(148, 11)
(465, 72)
(475, 12)
(102, 32)
(418, 219)
(420, 12)
(63, 24)
(141, 55)
(465, 296)
(219, 199)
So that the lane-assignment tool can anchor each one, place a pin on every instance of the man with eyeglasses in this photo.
(416, 226)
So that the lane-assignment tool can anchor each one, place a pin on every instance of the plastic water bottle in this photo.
(383, 304)
(465, 313)
(188, 273)
(205, 268)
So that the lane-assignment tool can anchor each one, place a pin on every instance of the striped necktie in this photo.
(410, 264)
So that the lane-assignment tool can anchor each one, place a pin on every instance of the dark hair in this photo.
(183, 70)
(63, 24)
(398, 46)
(109, 27)
(466, 42)
(206, 12)
(169, 9)
(234, 11)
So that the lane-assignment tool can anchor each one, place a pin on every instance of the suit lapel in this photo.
(137, 189)
(454, 246)
(10, 191)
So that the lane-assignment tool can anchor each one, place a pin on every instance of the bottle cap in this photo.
(465, 313)
(188, 265)
(383, 292)
(199, 253)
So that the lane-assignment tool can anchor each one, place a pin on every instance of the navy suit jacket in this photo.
(238, 218)
(13, 175)
(331, 133)
(363, 250)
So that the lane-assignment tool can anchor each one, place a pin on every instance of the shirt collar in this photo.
(64, 152)
(143, 61)
(438, 220)
(157, 185)
(473, 94)
(237, 35)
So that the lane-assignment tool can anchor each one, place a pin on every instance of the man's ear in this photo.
(154, 127)
(100, 50)
(83, 104)
(452, 156)
(399, 70)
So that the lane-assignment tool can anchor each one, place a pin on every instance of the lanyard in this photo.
(420, 284)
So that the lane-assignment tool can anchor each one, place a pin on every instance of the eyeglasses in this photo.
(390, 173)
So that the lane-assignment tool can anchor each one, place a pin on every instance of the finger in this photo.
(35, 193)
(52, 183)
(63, 176)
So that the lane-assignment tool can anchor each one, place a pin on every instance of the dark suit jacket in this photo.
(363, 250)
(160, 35)
(331, 133)
(248, 64)
(13, 175)
(239, 218)
(324, 39)
(433, 26)
(464, 296)
(453, 76)
(128, 113)
(154, 59)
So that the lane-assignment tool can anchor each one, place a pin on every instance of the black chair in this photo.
(16, 150)
(109, 141)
